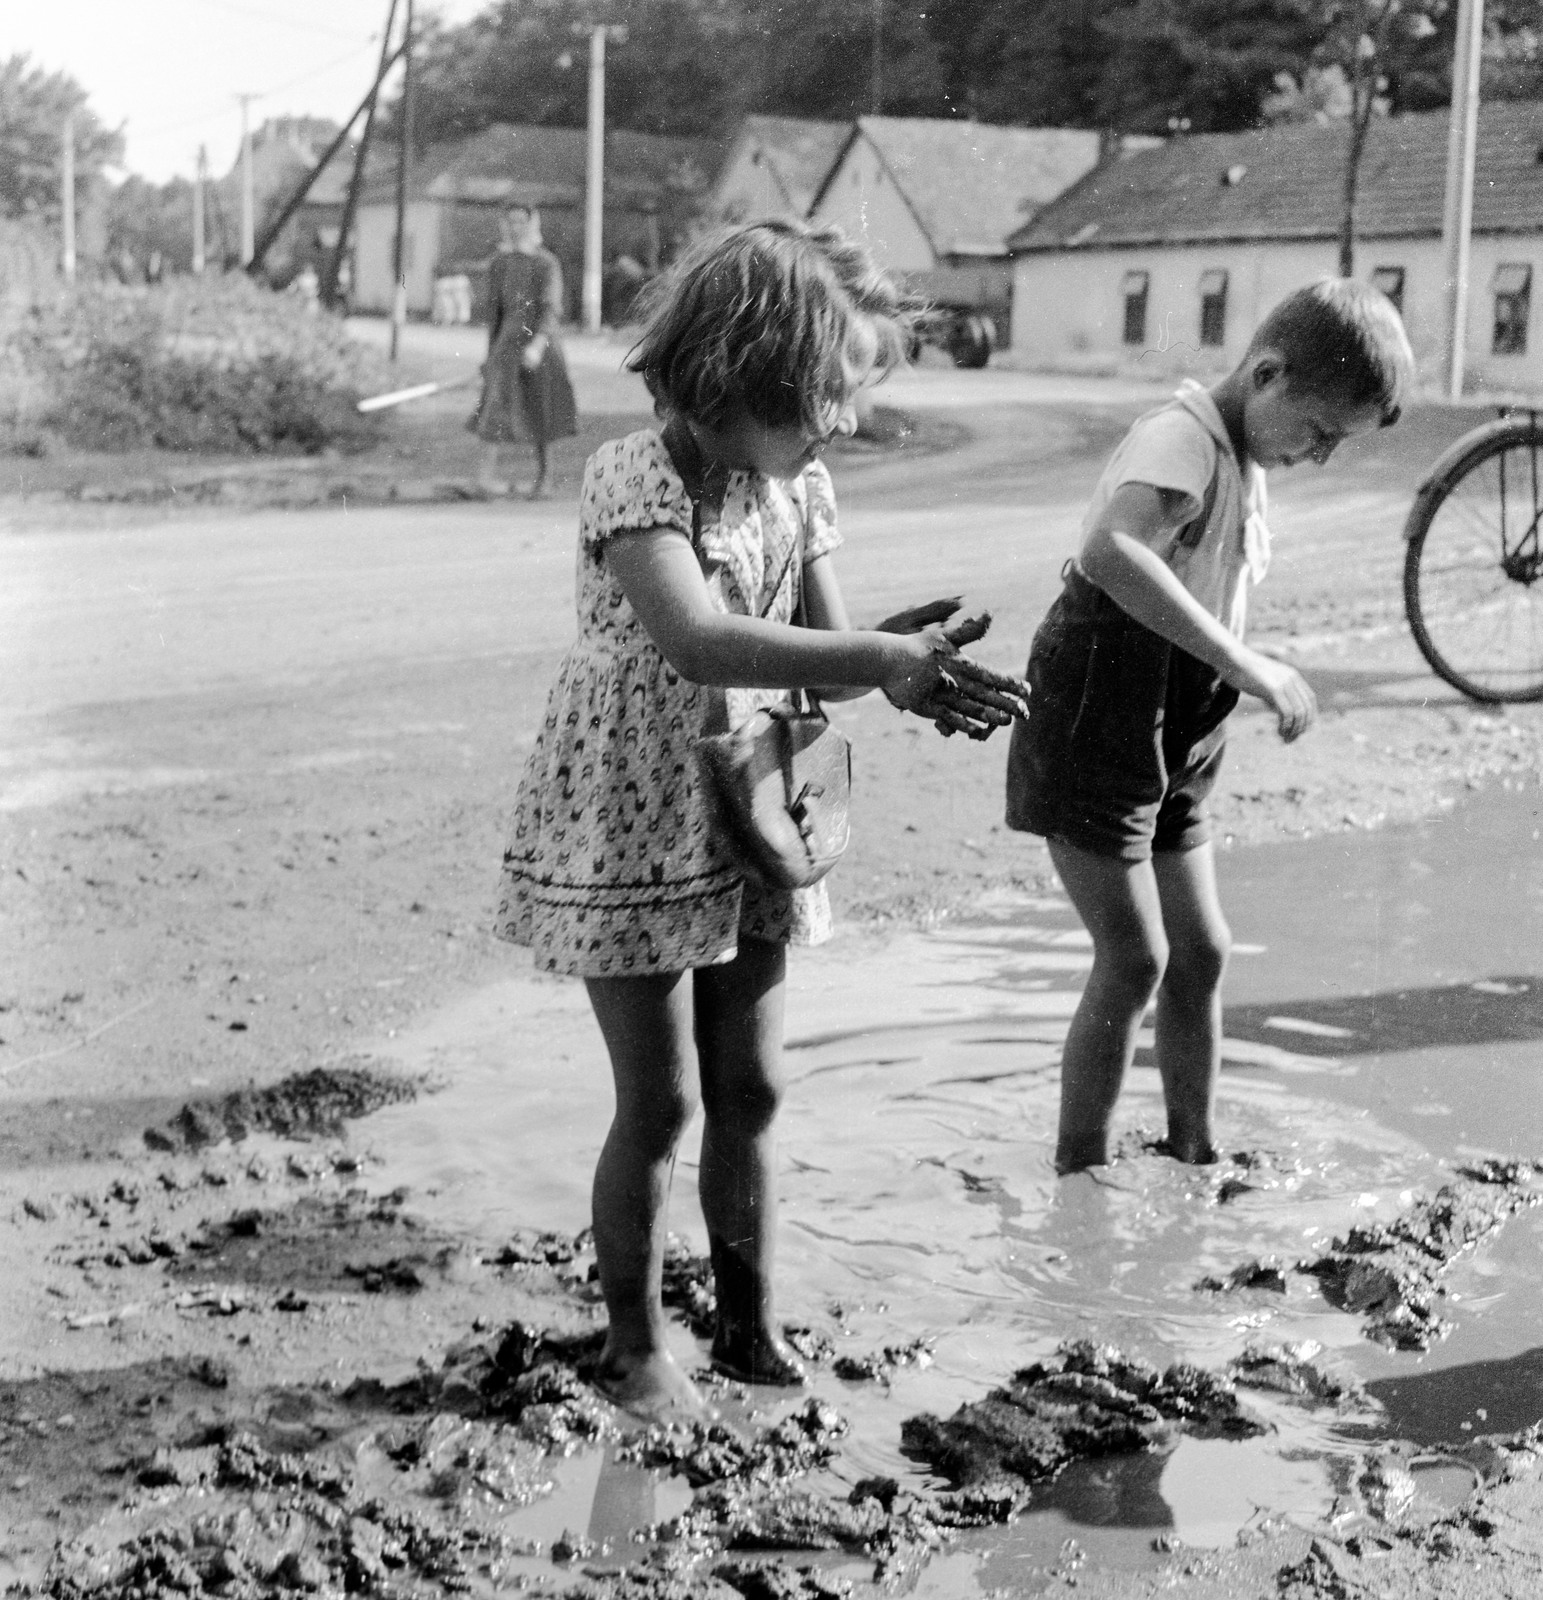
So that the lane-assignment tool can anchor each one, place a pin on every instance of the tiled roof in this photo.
(545, 166)
(799, 152)
(971, 184)
(1287, 183)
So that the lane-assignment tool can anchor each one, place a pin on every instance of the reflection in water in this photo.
(920, 1198)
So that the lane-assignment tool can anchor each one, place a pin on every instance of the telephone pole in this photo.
(404, 156)
(198, 211)
(67, 199)
(1457, 215)
(248, 205)
(876, 66)
(594, 182)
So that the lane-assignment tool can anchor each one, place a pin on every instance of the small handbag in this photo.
(781, 782)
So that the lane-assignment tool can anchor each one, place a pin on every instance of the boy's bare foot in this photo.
(766, 1358)
(652, 1388)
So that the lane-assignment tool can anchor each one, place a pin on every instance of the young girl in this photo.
(696, 542)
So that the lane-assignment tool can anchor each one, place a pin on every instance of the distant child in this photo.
(1135, 669)
(696, 541)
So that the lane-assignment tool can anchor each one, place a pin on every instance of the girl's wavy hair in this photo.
(760, 319)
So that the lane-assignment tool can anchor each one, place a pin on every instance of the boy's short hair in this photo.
(1342, 338)
(762, 319)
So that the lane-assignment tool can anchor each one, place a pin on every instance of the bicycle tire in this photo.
(1445, 516)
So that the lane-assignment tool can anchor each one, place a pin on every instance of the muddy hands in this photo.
(965, 696)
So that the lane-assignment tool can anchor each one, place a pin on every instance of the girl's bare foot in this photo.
(651, 1387)
(763, 1358)
(538, 489)
(493, 488)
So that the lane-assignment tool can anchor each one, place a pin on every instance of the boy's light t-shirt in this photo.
(1224, 542)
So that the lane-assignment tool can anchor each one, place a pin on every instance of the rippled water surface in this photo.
(1384, 1010)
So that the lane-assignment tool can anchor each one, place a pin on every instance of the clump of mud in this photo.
(880, 1364)
(255, 1521)
(1089, 1401)
(709, 1452)
(1390, 1272)
(1293, 1370)
(305, 1105)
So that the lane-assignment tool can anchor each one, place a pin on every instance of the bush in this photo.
(215, 364)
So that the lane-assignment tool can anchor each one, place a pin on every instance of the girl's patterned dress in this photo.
(615, 867)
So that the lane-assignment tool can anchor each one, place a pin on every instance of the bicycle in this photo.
(1474, 560)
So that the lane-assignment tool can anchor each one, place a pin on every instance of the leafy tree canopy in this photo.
(694, 66)
(33, 107)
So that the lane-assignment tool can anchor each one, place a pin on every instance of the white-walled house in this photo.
(936, 199)
(774, 169)
(1166, 261)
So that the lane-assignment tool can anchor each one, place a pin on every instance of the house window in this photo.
(1513, 303)
(1213, 307)
(1134, 289)
(1391, 281)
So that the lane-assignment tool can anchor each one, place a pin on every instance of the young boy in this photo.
(1135, 669)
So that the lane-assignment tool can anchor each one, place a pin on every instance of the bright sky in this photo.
(169, 71)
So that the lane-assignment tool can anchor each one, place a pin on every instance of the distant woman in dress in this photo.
(525, 388)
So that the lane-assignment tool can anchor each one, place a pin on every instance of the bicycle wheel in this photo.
(1474, 561)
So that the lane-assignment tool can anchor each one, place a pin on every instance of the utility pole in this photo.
(67, 199)
(330, 288)
(404, 155)
(198, 211)
(594, 182)
(248, 205)
(876, 70)
(1457, 216)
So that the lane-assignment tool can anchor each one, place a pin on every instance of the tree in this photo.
(1206, 65)
(33, 108)
(1036, 62)
(145, 219)
(688, 67)
(1379, 48)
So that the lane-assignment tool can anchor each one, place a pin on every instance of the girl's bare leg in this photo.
(646, 1023)
(739, 1045)
(1118, 903)
(1189, 1003)
(537, 489)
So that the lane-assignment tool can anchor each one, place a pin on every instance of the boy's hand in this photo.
(1286, 691)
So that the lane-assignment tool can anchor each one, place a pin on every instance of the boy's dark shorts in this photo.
(1124, 737)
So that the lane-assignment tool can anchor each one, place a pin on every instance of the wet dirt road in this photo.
(252, 788)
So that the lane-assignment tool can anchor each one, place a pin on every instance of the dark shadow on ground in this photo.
(1347, 689)
(1445, 1407)
(1490, 1011)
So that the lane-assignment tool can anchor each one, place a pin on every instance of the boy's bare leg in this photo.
(1118, 903)
(739, 1045)
(646, 1023)
(1189, 1004)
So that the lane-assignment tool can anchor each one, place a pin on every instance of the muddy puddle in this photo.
(1384, 1007)
(1378, 1110)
